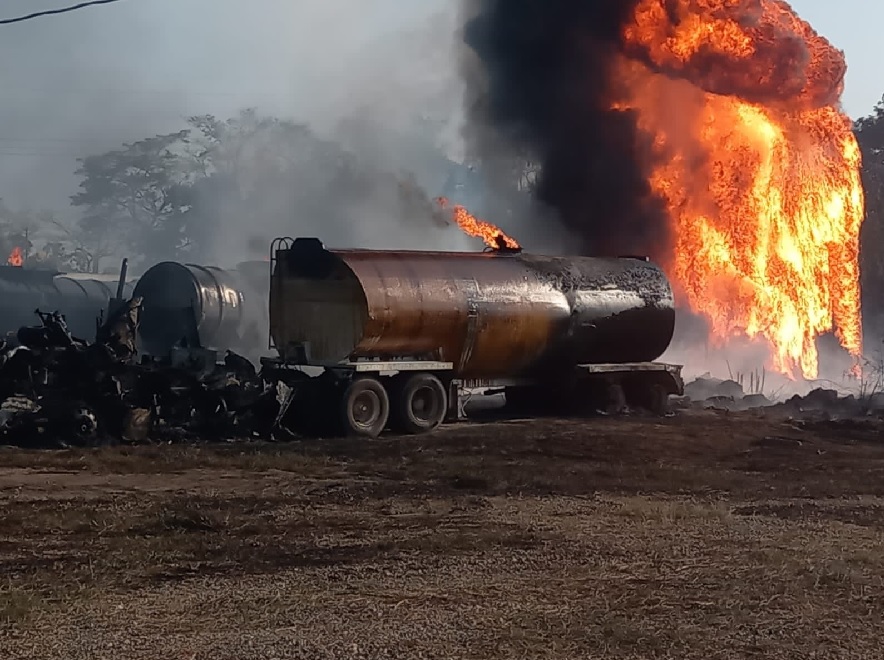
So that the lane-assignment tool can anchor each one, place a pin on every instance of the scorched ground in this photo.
(707, 537)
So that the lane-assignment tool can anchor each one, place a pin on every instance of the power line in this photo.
(50, 12)
(22, 154)
(184, 93)
(75, 141)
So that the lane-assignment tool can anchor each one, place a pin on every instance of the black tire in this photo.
(658, 400)
(651, 397)
(615, 402)
(420, 404)
(365, 408)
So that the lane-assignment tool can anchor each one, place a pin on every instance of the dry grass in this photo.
(701, 537)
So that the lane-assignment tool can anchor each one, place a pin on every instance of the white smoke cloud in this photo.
(83, 83)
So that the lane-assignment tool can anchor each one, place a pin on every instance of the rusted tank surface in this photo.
(493, 315)
(190, 304)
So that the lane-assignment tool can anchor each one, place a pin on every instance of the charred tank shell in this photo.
(619, 310)
(189, 304)
(81, 298)
(491, 314)
(201, 306)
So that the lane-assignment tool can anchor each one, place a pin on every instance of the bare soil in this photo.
(702, 536)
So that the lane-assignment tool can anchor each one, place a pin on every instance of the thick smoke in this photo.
(539, 80)
(86, 82)
(546, 78)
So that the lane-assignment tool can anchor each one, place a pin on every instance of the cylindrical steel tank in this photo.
(493, 315)
(217, 308)
(81, 298)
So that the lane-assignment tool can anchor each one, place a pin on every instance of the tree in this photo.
(139, 196)
(259, 176)
(19, 229)
(219, 189)
(83, 245)
(870, 134)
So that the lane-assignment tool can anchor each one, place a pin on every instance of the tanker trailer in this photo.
(192, 306)
(81, 298)
(397, 335)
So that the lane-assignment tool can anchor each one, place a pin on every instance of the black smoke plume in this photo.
(539, 82)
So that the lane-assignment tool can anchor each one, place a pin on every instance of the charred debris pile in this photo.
(820, 403)
(58, 390)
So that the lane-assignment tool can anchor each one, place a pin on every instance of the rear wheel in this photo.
(615, 402)
(420, 403)
(649, 395)
(365, 408)
(658, 400)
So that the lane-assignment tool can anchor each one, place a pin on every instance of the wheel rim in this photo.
(366, 409)
(424, 405)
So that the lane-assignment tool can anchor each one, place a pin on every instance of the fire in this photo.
(472, 226)
(16, 258)
(757, 165)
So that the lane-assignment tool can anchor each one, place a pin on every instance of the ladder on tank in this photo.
(277, 244)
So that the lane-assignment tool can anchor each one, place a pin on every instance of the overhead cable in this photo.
(52, 12)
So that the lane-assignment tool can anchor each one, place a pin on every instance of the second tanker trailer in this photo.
(371, 339)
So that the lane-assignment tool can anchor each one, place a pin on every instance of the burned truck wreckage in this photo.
(360, 341)
(81, 298)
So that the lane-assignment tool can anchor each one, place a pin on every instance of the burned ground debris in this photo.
(59, 390)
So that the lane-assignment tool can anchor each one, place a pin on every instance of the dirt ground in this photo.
(701, 536)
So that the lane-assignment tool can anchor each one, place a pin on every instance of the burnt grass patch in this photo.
(657, 538)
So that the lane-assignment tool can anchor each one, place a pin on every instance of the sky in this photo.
(84, 82)
(853, 26)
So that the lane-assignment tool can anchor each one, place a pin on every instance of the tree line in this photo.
(172, 196)
(869, 131)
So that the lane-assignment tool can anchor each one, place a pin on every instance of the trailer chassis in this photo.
(365, 397)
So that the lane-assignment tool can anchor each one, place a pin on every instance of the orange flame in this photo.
(472, 226)
(757, 165)
(16, 258)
